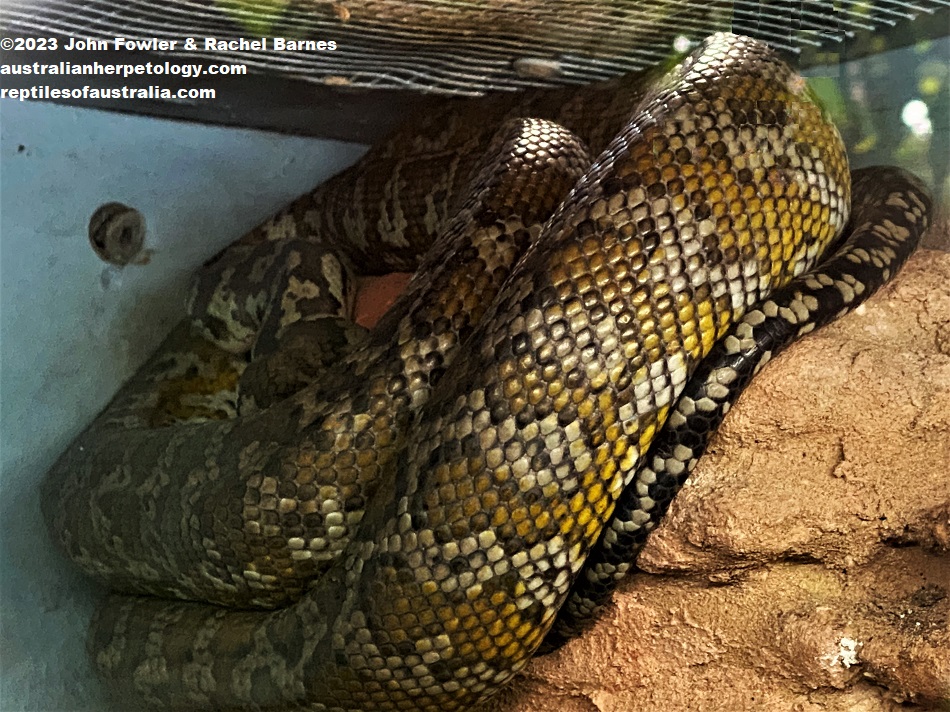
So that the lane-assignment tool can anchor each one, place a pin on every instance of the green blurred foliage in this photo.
(257, 16)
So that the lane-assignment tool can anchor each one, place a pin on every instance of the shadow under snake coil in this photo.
(398, 516)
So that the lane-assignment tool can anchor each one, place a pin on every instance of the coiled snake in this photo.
(416, 503)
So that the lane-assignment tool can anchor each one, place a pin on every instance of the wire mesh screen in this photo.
(456, 46)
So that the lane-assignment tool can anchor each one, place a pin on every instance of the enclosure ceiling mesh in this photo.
(459, 46)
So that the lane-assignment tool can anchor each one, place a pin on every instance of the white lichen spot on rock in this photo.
(846, 655)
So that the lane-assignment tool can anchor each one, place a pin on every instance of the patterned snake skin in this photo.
(411, 507)
(890, 211)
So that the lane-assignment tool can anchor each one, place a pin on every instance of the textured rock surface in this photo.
(806, 565)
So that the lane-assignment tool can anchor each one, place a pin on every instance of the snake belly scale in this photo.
(416, 517)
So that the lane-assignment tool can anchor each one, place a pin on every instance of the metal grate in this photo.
(461, 46)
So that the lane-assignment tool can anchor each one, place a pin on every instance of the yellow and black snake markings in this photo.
(890, 212)
(412, 517)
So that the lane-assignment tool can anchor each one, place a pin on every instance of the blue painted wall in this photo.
(72, 329)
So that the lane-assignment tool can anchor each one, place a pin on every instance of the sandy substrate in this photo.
(806, 565)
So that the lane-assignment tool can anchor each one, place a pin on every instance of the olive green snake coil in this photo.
(392, 520)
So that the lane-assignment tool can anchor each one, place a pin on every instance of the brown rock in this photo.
(806, 564)
(376, 295)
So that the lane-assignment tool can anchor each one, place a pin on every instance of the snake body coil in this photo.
(875, 249)
(420, 512)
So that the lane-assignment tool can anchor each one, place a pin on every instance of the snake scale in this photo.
(392, 520)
